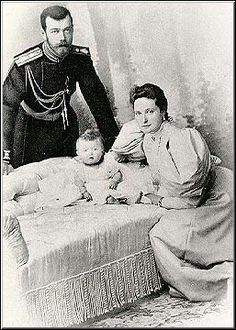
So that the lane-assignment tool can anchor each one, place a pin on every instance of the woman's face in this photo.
(147, 115)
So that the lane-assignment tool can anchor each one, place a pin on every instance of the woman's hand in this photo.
(118, 157)
(155, 199)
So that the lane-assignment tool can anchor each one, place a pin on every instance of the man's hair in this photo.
(150, 91)
(55, 12)
(91, 134)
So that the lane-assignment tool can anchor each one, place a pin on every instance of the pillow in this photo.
(24, 180)
(12, 208)
(45, 167)
(17, 183)
(14, 240)
(27, 202)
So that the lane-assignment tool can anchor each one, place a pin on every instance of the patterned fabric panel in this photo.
(76, 299)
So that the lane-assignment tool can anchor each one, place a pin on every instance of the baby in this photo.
(98, 175)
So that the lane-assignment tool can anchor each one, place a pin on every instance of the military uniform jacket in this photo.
(41, 86)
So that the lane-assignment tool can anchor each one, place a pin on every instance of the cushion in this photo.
(45, 167)
(19, 183)
(14, 240)
(24, 180)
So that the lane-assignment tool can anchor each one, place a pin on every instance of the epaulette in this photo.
(28, 56)
(80, 50)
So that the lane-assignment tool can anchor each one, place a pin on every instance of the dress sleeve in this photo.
(129, 142)
(189, 163)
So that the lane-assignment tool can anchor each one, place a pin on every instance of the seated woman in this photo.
(193, 241)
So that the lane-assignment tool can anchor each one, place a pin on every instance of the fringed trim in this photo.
(93, 293)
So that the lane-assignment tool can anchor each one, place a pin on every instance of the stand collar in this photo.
(51, 55)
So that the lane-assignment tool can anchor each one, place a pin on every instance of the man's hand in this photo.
(6, 168)
(87, 196)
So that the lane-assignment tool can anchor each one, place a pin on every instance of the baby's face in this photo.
(90, 152)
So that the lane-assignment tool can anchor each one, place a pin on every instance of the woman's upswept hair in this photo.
(55, 12)
(150, 91)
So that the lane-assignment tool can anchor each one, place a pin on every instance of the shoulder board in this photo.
(80, 50)
(28, 56)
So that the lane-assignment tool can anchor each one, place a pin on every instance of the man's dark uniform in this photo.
(38, 122)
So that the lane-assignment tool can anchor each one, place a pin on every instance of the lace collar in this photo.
(157, 135)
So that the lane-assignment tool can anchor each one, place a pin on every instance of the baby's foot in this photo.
(111, 200)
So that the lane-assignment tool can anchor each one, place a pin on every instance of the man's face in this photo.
(59, 35)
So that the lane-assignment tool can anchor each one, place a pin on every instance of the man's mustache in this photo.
(63, 45)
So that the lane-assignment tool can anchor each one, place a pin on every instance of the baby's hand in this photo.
(113, 184)
(87, 196)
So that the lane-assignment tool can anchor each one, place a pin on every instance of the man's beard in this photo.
(60, 50)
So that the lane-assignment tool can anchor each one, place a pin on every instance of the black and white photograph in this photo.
(117, 164)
